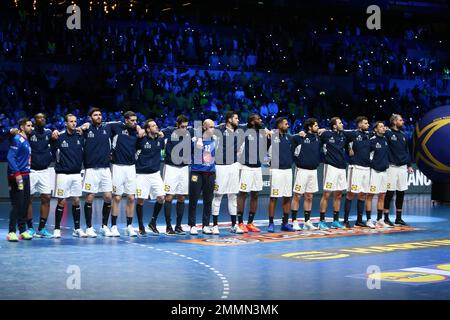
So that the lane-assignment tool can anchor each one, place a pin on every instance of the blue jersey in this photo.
(306, 151)
(359, 141)
(173, 137)
(281, 151)
(41, 152)
(19, 156)
(379, 153)
(97, 146)
(252, 154)
(148, 154)
(334, 144)
(228, 144)
(398, 148)
(69, 153)
(204, 160)
(123, 143)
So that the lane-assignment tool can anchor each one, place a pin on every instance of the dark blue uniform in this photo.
(281, 145)
(172, 139)
(398, 148)
(359, 142)
(123, 143)
(41, 153)
(379, 153)
(97, 146)
(228, 144)
(334, 144)
(148, 154)
(306, 151)
(250, 156)
(19, 156)
(69, 153)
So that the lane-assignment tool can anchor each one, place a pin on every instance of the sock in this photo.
(368, 214)
(398, 215)
(233, 220)
(294, 214)
(215, 220)
(379, 214)
(105, 213)
(88, 214)
(251, 216)
(42, 223)
(240, 216)
(180, 211)
(270, 219)
(335, 215)
(348, 207)
(140, 215)
(285, 218)
(30, 223)
(156, 210)
(76, 212)
(360, 209)
(322, 216)
(113, 220)
(58, 216)
(307, 215)
(167, 212)
(386, 216)
(129, 221)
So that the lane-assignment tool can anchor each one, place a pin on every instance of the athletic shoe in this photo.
(179, 231)
(207, 230)
(296, 226)
(90, 232)
(142, 233)
(152, 228)
(43, 233)
(215, 230)
(129, 231)
(243, 227)
(56, 233)
(170, 232)
(12, 237)
(388, 222)
(193, 231)
(25, 236)
(271, 228)
(347, 225)
(380, 224)
(336, 225)
(400, 222)
(104, 231)
(252, 228)
(236, 229)
(287, 227)
(79, 233)
(309, 226)
(115, 231)
(31, 231)
(361, 224)
(323, 225)
(370, 224)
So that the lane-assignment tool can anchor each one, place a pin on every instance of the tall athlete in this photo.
(19, 181)
(399, 167)
(334, 177)
(306, 152)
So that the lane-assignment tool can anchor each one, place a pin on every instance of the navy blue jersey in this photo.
(148, 154)
(306, 151)
(41, 152)
(97, 146)
(228, 144)
(359, 141)
(252, 155)
(173, 137)
(69, 152)
(379, 153)
(398, 148)
(281, 151)
(334, 144)
(123, 143)
(18, 156)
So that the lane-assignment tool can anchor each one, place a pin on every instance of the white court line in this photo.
(427, 270)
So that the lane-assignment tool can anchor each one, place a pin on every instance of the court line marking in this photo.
(428, 270)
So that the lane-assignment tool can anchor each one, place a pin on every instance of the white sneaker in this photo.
(129, 231)
(296, 226)
(215, 230)
(236, 229)
(309, 226)
(193, 231)
(90, 232)
(115, 231)
(207, 230)
(104, 231)
(381, 224)
(56, 233)
(370, 224)
(79, 233)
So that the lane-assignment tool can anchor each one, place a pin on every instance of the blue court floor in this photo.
(411, 264)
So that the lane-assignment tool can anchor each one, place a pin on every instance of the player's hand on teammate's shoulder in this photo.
(55, 134)
(13, 131)
(302, 134)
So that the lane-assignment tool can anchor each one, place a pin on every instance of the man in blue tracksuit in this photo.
(19, 181)
(69, 160)
(306, 153)
(399, 167)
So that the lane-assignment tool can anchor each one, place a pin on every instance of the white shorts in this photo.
(67, 185)
(378, 181)
(97, 180)
(397, 178)
(227, 179)
(251, 179)
(306, 181)
(334, 179)
(149, 184)
(280, 183)
(358, 179)
(176, 179)
(41, 181)
(123, 179)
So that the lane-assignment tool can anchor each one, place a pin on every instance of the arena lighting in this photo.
(186, 4)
